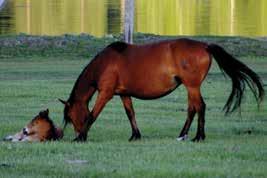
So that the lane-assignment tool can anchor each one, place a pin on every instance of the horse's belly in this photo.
(150, 88)
(153, 93)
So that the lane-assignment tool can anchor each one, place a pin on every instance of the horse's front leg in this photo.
(102, 98)
(128, 106)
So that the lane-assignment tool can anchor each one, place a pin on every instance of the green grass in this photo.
(30, 84)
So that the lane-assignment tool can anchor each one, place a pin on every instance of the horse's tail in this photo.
(240, 75)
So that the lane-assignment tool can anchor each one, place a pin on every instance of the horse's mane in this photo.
(72, 95)
(117, 46)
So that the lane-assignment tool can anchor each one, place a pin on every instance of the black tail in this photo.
(240, 75)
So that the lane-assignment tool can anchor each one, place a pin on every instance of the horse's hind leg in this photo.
(190, 116)
(127, 103)
(196, 105)
(201, 122)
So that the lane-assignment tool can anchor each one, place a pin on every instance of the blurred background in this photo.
(162, 17)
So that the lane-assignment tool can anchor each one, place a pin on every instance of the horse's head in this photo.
(75, 113)
(39, 124)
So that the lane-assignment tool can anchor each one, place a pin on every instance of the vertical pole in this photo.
(128, 21)
(2, 4)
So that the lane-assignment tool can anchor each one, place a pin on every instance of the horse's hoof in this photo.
(198, 138)
(135, 136)
(80, 138)
(183, 138)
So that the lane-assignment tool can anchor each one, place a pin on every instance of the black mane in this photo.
(118, 46)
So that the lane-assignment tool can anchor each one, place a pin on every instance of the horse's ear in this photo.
(63, 102)
(44, 113)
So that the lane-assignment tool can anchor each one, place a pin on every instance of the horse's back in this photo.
(152, 70)
(160, 60)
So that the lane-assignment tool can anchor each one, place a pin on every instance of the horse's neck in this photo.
(82, 85)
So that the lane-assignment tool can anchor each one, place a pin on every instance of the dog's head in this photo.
(41, 128)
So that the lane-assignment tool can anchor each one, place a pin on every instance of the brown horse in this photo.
(40, 128)
(151, 71)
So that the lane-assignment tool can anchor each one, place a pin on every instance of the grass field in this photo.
(236, 146)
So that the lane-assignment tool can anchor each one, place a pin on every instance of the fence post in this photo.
(128, 21)
(2, 4)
